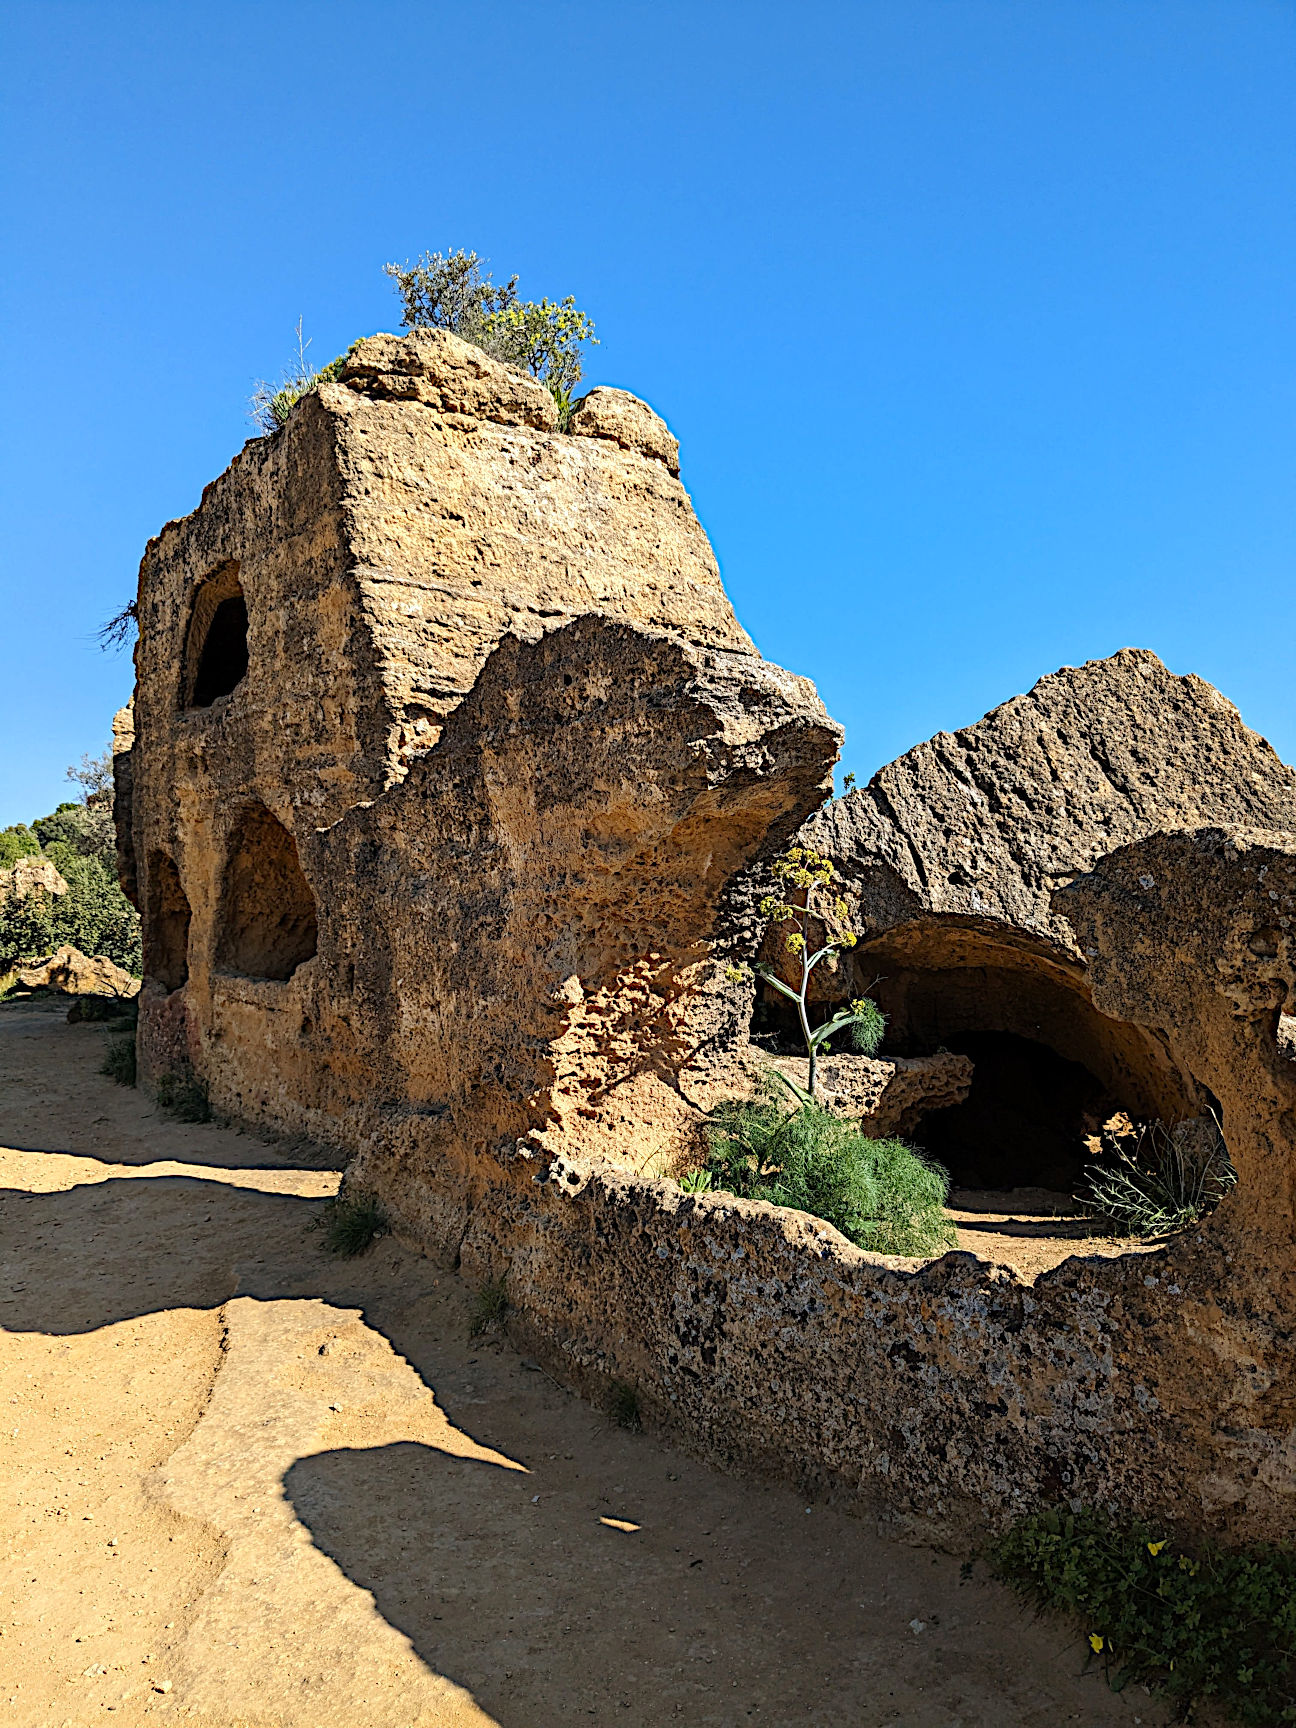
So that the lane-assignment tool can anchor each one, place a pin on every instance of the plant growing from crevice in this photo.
(1194, 1623)
(1152, 1180)
(271, 404)
(184, 1096)
(351, 1223)
(806, 902)
(881, 1194)
(547, 338)
(490, 1305)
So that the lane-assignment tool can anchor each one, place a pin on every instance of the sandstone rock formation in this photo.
(885, 1097)
(949, 858)
(76, 974)
(452, 783)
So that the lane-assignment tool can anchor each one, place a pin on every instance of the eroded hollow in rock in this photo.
(267, 913)
(166, 925)
(1049, 1068)
(216, 650)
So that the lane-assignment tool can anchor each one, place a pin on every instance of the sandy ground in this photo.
(245, 1485)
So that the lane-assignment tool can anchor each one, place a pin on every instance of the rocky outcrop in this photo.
(34, 875)
(76, 974)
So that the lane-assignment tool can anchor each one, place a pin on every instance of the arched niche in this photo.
(166, 924)
(216, 643)
(267, 916)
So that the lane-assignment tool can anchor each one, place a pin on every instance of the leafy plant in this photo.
(119, 1061)
(351, 1222)
(696, 1181)
(490, 1305)
(447, 291)
(184, 1096)
(623, 1406)
(1153, 1179)
(804, 872)
(881, 1194)
(271, 404)
(1195, 1623)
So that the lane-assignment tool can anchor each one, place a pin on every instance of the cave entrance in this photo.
(1025, 1119)
(1049, 1068)
(216, 649)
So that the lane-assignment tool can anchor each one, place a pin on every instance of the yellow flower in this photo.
(1154, 1548)
(1095, 1643)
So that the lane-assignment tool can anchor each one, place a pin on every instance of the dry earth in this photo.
(248, 1486)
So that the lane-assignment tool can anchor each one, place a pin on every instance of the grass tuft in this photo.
(351, 1222)
(623, 1407)
(881, 1194)
(490, 1305)
(119, 1061)
(184, 1096)
(1194, 1624)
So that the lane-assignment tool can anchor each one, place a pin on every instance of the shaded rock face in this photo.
(950, 858)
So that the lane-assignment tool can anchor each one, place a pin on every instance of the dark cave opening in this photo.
(223, 662)
(1024, 1121)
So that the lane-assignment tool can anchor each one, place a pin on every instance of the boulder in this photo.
(616, 414)
(75, 974)
(886, 1096)
(34, 875)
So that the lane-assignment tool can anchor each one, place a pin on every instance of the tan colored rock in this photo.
(886, 1096)
(33, 875)
(616, 414)
(442, 371)
(72, 972)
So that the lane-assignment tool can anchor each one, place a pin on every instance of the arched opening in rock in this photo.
(166, 926)
(216, 648)
(1049, 1067)
(267, 911)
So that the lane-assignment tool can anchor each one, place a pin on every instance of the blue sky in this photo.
(976, 318)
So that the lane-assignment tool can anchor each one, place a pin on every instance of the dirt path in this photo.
(244, 1485)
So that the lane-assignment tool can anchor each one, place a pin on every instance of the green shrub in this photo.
(447, 291)
(271, 404)
(119, 1061)
(697, 1182)
(490, 1305)
(15, 843)
(881, 1194)
(1196, 1624)
(351, 1222)
(1153, 1180)
(184, 1096)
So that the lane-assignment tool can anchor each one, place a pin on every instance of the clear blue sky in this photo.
(976, 318)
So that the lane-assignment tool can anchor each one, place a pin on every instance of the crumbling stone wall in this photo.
(450, 874)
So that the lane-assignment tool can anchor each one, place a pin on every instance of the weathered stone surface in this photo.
(444, 372)
(34, 875)
(616, 414)
(988, 822)
(886, 1096)
(77, 974)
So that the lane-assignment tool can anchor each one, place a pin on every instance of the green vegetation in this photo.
(94, 915)
(119, 1061)
(351, 1222)
(447, 291)
(490, 1305)
(271, 405)
(806, 879)
(696, 1182)
(1196, 1624)
(184, 1096)
(881, 1194)
(623, 1407)
(1153, 1180)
